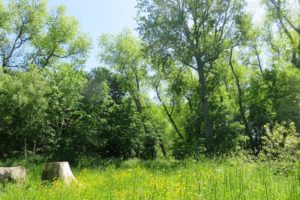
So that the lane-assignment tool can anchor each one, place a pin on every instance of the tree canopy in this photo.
(201, 79)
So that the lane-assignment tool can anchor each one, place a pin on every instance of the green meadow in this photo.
(135, 179)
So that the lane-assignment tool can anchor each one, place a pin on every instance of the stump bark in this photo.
(12, 174)
(58, 170)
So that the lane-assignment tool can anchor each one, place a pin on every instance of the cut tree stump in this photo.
(12, 174)
(58, 170)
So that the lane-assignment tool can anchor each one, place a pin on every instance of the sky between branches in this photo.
(112, 16)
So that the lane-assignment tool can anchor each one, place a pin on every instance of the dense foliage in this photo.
(202, 79)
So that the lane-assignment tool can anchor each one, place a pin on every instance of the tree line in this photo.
(201, 79)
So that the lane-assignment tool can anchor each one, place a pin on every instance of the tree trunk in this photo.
(173, 123)
(241, 103)
(34, 148)
(25, 147)
(58, 170)
(163, 149)
(204, 109)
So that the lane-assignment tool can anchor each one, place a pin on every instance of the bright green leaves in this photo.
(67, 83)
(194, 34)
(62, 41)
(24, 21)
(64, 113)
(206, 94)
(27, 16)
(25, 91)
(31, 35)
(4, 19)
(280, 142)
(123, 54)
(286, 16)
(23, 105)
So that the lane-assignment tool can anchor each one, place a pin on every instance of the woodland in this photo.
(198, 102)
(200, 80)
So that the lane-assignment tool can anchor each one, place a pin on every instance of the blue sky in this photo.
(112, 16)
(99, 16)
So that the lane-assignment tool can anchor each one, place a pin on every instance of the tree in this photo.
(287, 18)
(23, 106)
(64, 111)
(123, 53)
(283, 77)
(111, 122)
(197, 33)
(30, 35)
(40, 56)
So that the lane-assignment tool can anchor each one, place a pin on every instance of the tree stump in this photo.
(12, 174)
(58, 170)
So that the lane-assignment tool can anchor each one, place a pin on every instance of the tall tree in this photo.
(196, 32)
(50, 46)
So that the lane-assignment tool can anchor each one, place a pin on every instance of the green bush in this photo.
(280, 142)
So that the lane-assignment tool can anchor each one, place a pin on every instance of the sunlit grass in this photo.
(166, 180)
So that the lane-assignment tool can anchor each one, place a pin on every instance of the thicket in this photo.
(201, 79)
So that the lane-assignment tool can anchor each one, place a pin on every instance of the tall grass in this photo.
(167, 180)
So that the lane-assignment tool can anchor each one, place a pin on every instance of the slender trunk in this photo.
(258, 60)
(189, 102)
(169, 114)
(25, 148)
(163, 149)
(34, 147)
(289, 35)
(140, 109)
(241, 103)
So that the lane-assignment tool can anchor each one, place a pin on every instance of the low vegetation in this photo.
(190, 179)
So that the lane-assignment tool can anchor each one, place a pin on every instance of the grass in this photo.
(136, 179)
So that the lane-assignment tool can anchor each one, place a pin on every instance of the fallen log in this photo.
(12, 174)
(58, 170)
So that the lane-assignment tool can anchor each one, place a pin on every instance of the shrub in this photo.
(280, 142)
